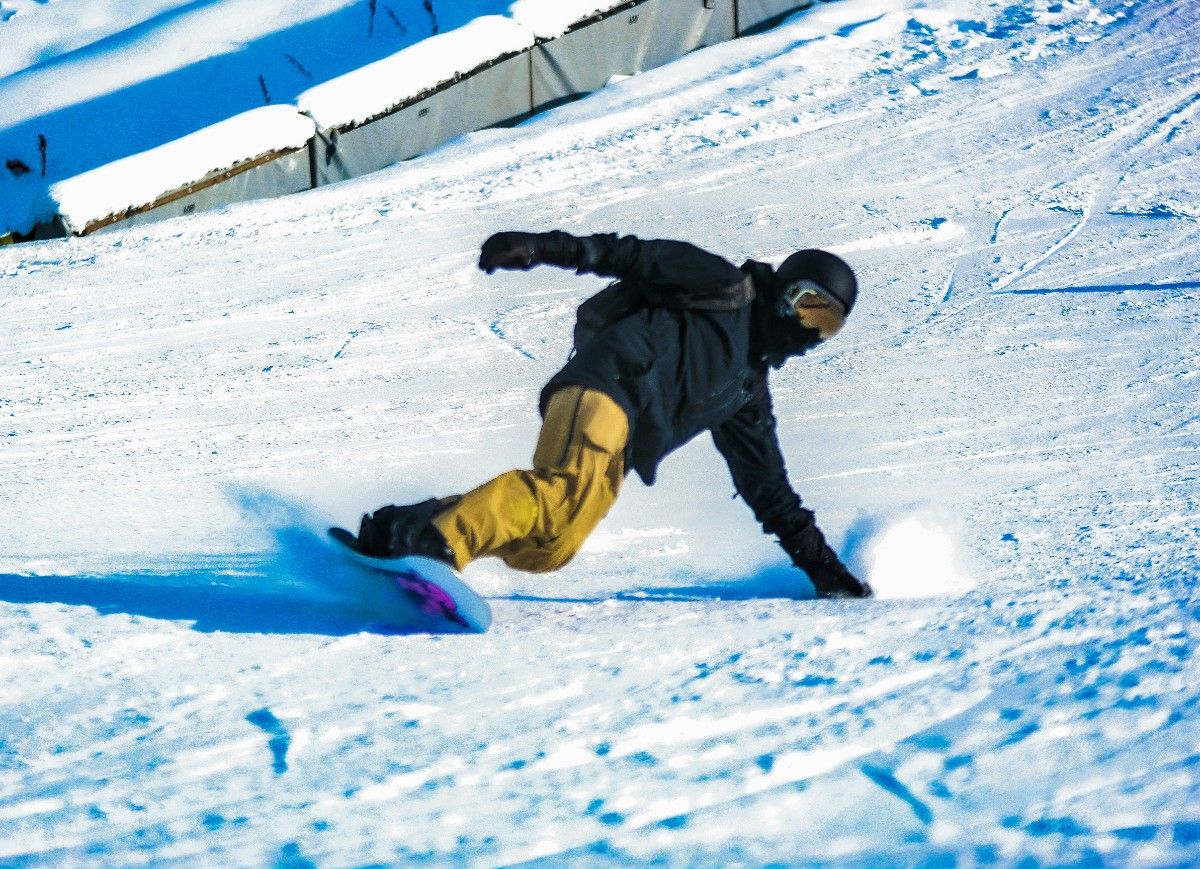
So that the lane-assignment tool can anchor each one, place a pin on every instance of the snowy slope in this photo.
(1017, 185)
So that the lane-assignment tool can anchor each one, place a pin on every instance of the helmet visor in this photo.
(795, 291)
(815, 307)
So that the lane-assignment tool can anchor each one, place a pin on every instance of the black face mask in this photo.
(784, 336)
(788, 337)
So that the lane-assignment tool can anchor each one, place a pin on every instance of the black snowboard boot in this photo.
(395, 531)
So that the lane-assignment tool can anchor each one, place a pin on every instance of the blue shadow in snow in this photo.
(280, 740)
(848, 29)
(302, 584)
(214, 600)
(211, 599)
(1108, 288)
(770, 583)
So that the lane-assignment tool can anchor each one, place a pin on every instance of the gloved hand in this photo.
(806, 546)
(835, 580)
(509, 250)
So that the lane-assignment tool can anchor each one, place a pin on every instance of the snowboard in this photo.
(414, 592)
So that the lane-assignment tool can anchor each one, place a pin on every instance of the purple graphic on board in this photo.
(429, 598)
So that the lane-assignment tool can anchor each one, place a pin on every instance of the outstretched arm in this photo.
(655, 264)
(749, 443)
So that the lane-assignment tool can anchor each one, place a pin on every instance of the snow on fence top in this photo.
(139, 180)
(373, 90)
(550, 18)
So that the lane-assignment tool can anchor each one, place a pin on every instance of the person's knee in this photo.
(544, 557)
(504, 508)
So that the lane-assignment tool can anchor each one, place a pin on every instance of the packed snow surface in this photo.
(1005, 437)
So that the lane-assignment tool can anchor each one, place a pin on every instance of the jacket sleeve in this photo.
(750, 446)
(658, 265)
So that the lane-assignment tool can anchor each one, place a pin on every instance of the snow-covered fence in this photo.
(255, 155)
(626, 39)
(474, 77)
(497, 70)
(492, 71)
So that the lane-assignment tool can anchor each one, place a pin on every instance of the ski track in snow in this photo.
(180, 404)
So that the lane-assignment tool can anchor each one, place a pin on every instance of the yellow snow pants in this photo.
(536, 520)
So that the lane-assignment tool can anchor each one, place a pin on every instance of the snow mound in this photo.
(141, 178)
(372, 89)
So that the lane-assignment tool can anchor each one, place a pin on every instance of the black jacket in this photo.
(688, 351)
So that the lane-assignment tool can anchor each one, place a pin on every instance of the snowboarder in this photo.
(680, 344)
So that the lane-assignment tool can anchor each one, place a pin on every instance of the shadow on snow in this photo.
(256, 600)
(208, 598)
(302, 585)
(770, 583)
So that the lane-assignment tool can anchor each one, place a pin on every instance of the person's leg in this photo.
(580, 465)
(536, 520)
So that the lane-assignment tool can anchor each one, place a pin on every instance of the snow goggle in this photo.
(795, 292)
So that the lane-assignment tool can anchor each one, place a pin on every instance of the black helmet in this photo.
(825, 269)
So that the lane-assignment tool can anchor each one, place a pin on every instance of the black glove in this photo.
(524, 250)
(509, 250)
(806, 546)
(835, 580)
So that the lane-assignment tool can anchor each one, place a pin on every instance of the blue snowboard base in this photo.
(415, 592)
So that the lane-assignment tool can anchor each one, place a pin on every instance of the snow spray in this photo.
(913, 553)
